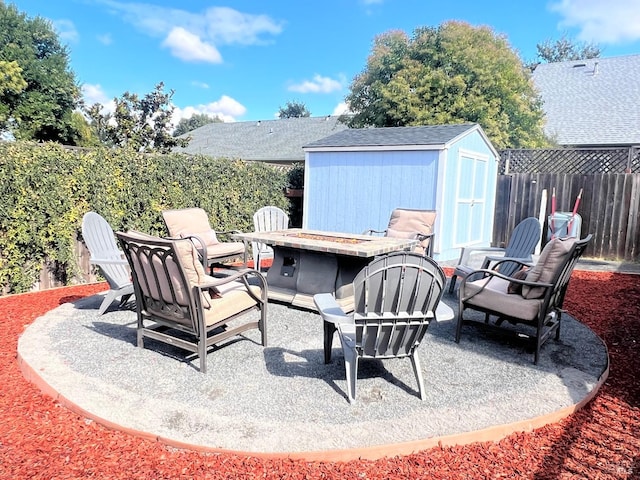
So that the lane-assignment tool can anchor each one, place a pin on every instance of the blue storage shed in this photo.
(356, 177)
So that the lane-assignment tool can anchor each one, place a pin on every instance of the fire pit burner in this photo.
(326, 238)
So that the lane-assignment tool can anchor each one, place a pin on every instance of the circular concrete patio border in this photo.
(38, 375)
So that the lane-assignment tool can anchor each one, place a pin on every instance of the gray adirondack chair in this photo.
(395, 299)
(105, 254)
(267, 219)
(522, 243)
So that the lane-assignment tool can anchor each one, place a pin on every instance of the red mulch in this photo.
(41, 440)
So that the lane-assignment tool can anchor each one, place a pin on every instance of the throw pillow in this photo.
(515, 287)
(553, 256)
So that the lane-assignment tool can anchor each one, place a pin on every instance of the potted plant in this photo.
(295, 178)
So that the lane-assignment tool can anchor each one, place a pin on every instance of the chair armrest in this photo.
(525, 262)
(329, 309)
(492, 273)
(229, 232)
(499, 260)
(466, 252)
(443, 312)
(244, 276)
(424, 236)
(371, 232)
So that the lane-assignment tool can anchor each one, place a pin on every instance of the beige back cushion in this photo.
(193, 270)
(553, 256)
(189, 221)
(406, 223)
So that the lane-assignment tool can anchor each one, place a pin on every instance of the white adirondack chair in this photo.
(267, 219)
(105, 254)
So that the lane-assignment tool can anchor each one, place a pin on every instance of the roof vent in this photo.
(579, 65)
(596, 68)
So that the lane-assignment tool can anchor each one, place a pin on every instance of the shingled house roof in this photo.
(274, 141)
(426, 137)
(591, 102)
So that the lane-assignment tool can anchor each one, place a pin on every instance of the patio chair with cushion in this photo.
(193, 223)
(395, 299)
(411, 223)
(178, 304)
(522, 243)
(527, 305)
(267, 219)
(104, 253)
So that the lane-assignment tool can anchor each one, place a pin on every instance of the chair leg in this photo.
(351, 370)
(452, 283)
(108, 300)
(329, 330)
(417, 369)
(256, 261)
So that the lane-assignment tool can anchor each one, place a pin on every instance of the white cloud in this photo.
(94, 94)
(195, 83)
(613, 21)
(66, 30)
(341, 109)
(226, 108)
(203, 31)
(319, 84)
(190, 48)
(105, 39)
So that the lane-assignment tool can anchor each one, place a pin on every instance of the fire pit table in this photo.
(306, 262)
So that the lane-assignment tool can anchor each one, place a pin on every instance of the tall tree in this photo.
(196, 120)
(142, 124)
(566, 49)
(43, 109)
(454, 73)
(294, 110)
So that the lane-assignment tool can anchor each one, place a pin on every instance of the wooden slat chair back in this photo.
(522, 243)
(104, 253)
(395, 299)
(175, 295)
(267, 219)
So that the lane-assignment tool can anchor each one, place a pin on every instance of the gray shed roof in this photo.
(429, 136)
(591, 102)
(278, 140)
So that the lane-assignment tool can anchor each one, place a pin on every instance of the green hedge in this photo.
(46, 189)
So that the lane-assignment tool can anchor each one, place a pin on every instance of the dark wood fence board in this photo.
(610, 208)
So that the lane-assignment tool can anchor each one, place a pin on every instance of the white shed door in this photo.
(470, 199)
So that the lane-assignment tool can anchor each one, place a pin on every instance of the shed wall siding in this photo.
(354, 191)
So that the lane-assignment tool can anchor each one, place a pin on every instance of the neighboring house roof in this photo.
(273, 141)
(591, 102)
(427, 137)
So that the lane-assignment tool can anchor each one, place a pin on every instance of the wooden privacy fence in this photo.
(610, 208)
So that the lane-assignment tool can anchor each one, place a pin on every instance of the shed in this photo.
(356, 177)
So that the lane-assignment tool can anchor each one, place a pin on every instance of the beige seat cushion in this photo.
(224, 249)
(233, 299)
(553, 256)
(494, 296)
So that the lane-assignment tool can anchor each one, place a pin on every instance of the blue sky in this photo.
(243, 59)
